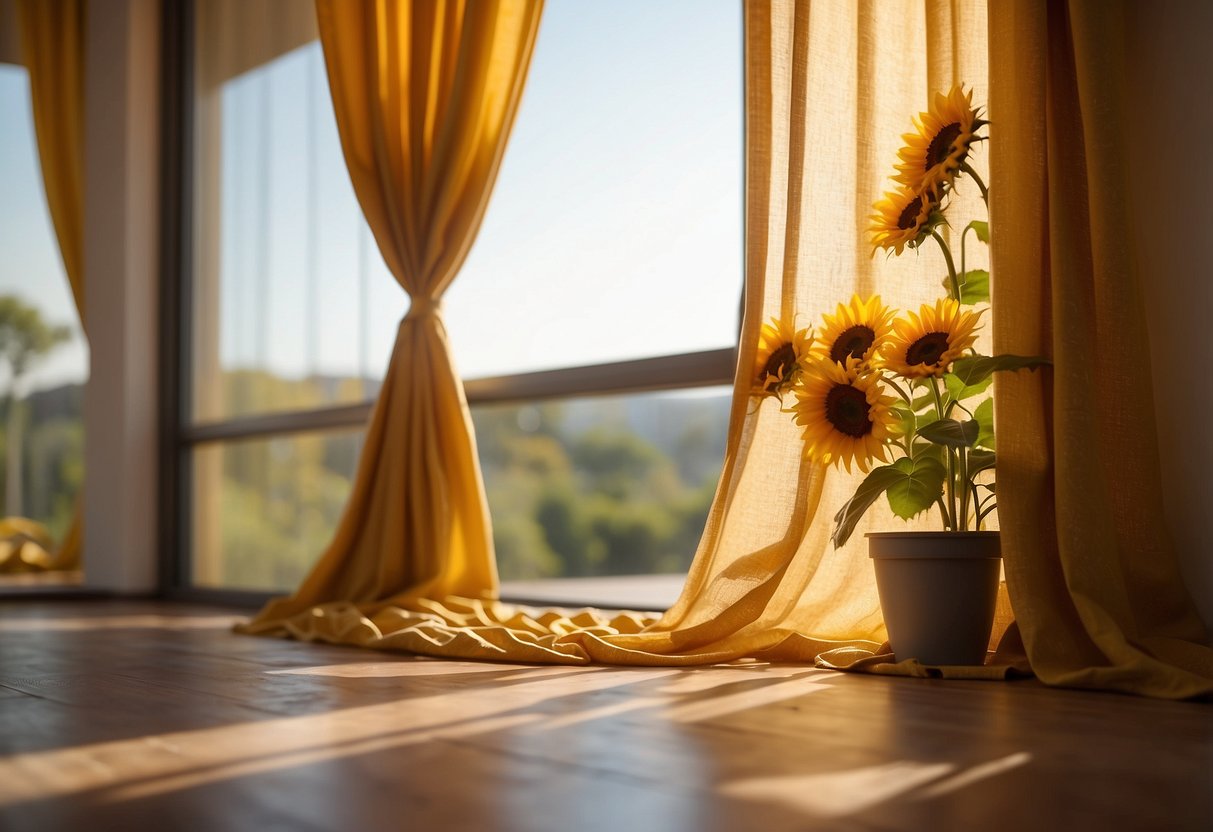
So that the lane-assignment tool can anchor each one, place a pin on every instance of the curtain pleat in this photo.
(424, 95)
(1093, 575)
(52, 41)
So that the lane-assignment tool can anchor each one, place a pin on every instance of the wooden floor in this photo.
(138, 716)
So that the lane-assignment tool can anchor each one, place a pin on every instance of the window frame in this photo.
(180, 435)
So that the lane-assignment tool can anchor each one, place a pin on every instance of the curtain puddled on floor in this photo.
(830, 89)
(1091, 568)
(52, 46)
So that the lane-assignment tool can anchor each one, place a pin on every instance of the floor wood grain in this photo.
(123, 715)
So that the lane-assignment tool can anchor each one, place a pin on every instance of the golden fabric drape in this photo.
(52, 40)
(425, 95)
(830, 89)
(1092, 573)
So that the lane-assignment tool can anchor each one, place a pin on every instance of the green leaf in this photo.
(974, 286)
(980, 460)
(929, 449)
(923, 402)
(950, 432)
(984, 418)
(873, 485)
(982, 229)
(918, 486)
(974, 369)
(905, 417)
(959, 391)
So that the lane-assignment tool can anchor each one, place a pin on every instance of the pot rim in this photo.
(934, 545)
(928, 535)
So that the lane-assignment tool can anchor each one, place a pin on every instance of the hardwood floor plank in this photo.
(125, 715)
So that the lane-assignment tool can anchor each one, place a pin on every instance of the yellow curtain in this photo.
(425, 95)
(52, 39)
(830, 89)
(1091, 569)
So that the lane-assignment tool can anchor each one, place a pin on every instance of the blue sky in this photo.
(615, 229)
(30, 265)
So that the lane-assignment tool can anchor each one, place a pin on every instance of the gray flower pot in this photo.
(937, 592)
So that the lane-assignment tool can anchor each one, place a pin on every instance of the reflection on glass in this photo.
(41, 414)
(616, 485)
(264, 509)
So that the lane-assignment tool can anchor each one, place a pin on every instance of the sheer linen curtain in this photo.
(1092, 571)
(52, 47)
(830, 89)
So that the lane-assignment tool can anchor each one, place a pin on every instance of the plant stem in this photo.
(943, 511)
(963, 455)
(985, 193)
(949, 453)
(947, 256)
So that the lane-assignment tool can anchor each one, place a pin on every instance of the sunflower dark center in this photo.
(909, 215)
(854, 343)
(928, 349)
(847, 410)
(941, 146)
(781, 362)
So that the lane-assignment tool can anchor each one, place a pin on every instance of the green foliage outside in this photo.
(42, 448)
(607, 486)
(573, 490)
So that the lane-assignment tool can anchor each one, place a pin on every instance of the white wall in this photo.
(1171, 83)
(121, 293)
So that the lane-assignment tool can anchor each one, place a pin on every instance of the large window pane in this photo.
(579, 488)
(263, 509)
(293, 307)
(616, 485)
(41, 410)
(615, 228)
(614, 231)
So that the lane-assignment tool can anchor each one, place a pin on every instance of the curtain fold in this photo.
(1093, 575)
(52, 41)
(830, 87)
(425, 95)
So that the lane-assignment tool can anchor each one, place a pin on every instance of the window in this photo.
(41, 409)
(594, 319)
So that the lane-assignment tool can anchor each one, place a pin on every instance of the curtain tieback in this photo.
(423, 307)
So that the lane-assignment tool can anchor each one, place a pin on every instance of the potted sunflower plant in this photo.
(906, 399)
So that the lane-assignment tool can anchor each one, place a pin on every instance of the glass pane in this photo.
(293, 307)
(578, 488)
(264, 509)
(619, 197)
(616, 485)
(41, 408)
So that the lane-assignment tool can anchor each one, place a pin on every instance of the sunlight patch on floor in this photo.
(977, 773)
(153, 765)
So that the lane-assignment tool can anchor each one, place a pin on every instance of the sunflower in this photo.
(903, 217)
(844, 414)
(780, 348)
(856, 330)
(927, 343)
(945, 133)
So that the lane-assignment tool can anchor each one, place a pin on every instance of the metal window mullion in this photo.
(672, 372)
